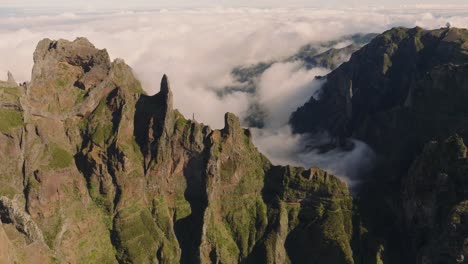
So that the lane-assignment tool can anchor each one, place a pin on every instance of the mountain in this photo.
(405, 95)
(93, 170)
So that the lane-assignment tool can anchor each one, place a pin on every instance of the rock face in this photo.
(405, 94)
(435, 202)
(93, 170)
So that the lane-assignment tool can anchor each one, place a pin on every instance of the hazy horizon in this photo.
(139, 4)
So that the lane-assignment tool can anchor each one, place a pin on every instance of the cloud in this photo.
(198, 48)
(284, 87)
(282, 147)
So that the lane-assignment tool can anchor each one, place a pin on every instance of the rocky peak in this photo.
(231, 124)
(165, 91)
(88, 64)
(10, 79)
(154, 121)
(165, 87)
(69, 77)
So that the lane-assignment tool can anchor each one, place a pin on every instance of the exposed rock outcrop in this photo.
(11, 212)
(434, 202)
(10, 83)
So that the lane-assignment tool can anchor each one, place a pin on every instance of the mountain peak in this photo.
(165, 86)
(166, 93)
(231, 124)
(10, 79)
(65, 72)
(80, 56)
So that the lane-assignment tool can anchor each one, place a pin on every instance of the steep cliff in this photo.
(435, 202)
(93, 170)
(409, 82)
(405, 94)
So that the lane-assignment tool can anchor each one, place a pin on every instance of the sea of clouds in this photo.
(198, 47)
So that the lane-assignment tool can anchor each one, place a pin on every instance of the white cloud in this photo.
(284, 87)
(282, 147)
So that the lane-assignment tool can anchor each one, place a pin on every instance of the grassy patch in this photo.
(10, 119)
(51, 234)
(59, 158)
(102, 133)
(61, 83)
(12, 91)
(8, 191)
(79, 94)
(183, 209)
(101, 125)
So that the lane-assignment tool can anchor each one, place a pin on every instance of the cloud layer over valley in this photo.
(198, 49)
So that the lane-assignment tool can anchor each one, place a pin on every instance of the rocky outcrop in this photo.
(64, 73)
(434, 202)
(11, 212)
(95, 171)
(10, 82)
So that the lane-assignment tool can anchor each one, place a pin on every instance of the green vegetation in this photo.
(53, 228)
(8, 191)
(59, 158)
(79, 94)
(10, 93)
(102, 133)
(135, 230)
(387, 63)
(141, 232)
(101, 125)
(10, 119)
(64, 66)
(182, 209)
(224, 247)
(61, 83)
(247, 221)
(418, 43)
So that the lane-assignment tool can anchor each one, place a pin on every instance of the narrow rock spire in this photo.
(232, 124)
(165, 92)
(165, 87)
(11, 79)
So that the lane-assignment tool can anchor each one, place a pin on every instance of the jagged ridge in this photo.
(109, 174)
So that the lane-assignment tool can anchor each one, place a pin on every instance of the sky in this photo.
(199, 45)
(113, 4)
